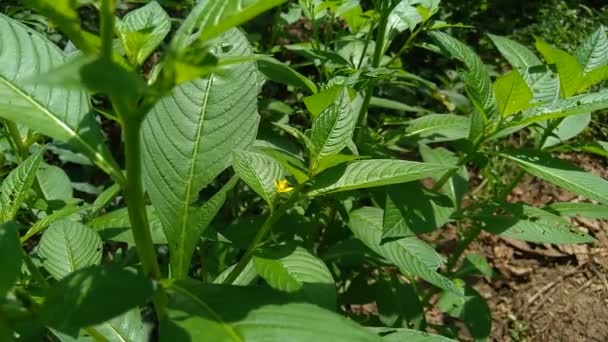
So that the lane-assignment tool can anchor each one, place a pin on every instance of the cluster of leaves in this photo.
(297, 210)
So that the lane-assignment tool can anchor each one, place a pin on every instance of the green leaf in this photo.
(142, 30)
(16, 185)
(68, 304)
(127, 327)
(189, 135)
(260, 172)
(246, 277)
(570, 127)
(593, 53)
(543, 83)
(410, 211)
(104, 199)
(282, 73)
(44, 222)
(457, 186)
(62, 114)
(438, 127)
(67, 246)
(561, 173)
(588, 210)
(472, 309)
(475, 264)
(516, 54)
(574, 105)
(319, 102)
(399, 305)
(534, 225)
(371, 173)
(198, 312)
(477, 78)
(594, 77)
(294, 270)
(210, 18)
(512, 93)
(54, 183)
(116, 226)
(10, 256)
(409, 335)
(411, 255)
(570, 72)
(332, 130)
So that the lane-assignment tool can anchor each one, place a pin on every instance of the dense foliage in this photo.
(169, 175)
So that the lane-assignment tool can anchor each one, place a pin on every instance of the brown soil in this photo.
(549, 292)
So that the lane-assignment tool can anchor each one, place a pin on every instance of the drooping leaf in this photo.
(282, 73)
(210, 18)
(260, 172)
(561, 173)
(439, 127)
(371, 173)
(188, 137)
(128, 327)
(534, 225)
(399, 305)
(10, 256)
(62, 114)
(410, 211)
(332, 130)
(512, 93)
(199, 311)
(294, 270)
(54, 183)
(570, 72)
(515, 53)
(593, 53)
(115, 226)
(456, 187)
(142, 30)
(110, 290)
(411, 255)
(16, 185)
(477, 78)
(67, 246)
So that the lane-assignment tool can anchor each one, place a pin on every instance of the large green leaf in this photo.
(203, 312)
(332, 130)
(16, 185)
(128, 327)
(410, 211)
(570, 72)
(532, 224)
(189, 135)
(477, 78)
(116, 226)
(294, 270)
(371, 173)
(142, 30)
(561, 173)
(210, 18)
(438, 127)
(512, 93)
(579, 104)
(411, 255)
(67, 246)
(593, 53)
(110, 290)
(518, 55)
(260, 172)
(62, 114)
(10, 256)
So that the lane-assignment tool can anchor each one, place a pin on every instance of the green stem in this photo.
(378, 53)
(107, 27)
(136, 206)
(264, 230)
(448, 175)
(21, 149)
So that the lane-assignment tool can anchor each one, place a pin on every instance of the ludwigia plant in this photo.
(225, 225)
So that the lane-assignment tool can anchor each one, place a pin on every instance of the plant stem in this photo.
(448, 175)
(471, 235)
(13, 130)
(264, 230)
(378, 53)
(107, 27)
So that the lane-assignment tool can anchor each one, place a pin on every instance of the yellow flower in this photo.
(282, 185)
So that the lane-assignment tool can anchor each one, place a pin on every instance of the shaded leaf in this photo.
(10, 256)
(282, 73)
(16, 185)
(116, 226)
